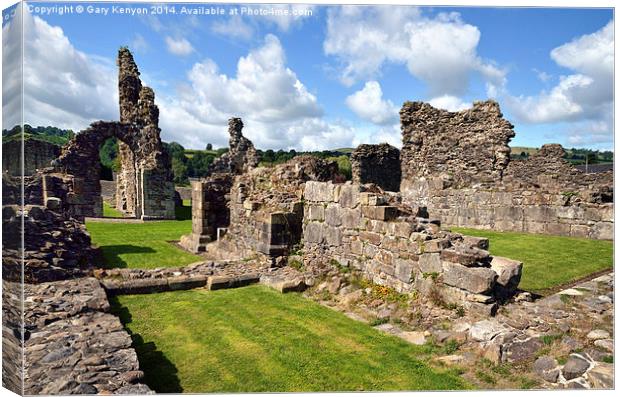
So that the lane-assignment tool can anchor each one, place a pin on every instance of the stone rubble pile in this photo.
(55, 248)
(73, 345)
(566, 322)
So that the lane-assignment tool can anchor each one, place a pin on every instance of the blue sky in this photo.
(331, 79)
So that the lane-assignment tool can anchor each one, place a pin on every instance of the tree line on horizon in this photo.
(192, 163)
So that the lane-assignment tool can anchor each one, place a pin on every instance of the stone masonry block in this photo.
(349, 196)
(333, 215)
(430, 263)
(314, 233)
(383, 213)
(351, 218)
(316, 212)
(508, 271)
(404, 270)
(319, 191)
(477, 280)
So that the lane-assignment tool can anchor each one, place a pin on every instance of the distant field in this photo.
(189, 153)
(517, 150)
(548, 261)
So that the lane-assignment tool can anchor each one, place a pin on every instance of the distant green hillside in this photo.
(49, 134)
(573, 155)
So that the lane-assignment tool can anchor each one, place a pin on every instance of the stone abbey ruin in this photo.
(292, 227)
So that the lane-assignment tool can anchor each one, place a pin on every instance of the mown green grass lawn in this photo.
(548, 261)
(111, 212)
(254, 339)
(142, 245)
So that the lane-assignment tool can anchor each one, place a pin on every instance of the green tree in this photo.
(209, 146)
(180, 171)
(198, 165)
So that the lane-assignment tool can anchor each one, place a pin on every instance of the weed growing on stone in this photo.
(378, 321)
(549, 339)
(485, 377)
(295, 264)
(451, 346)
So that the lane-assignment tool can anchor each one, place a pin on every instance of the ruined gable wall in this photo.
(144, 183)
(241, 156)
(471, 145)
(455, 164)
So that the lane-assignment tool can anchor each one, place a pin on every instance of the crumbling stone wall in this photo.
(211, 195)
(241, 156)
(54, 248)
(397, 245)
(144, 184)
(471, 146)
(266, 208)
(378, 164)
(209, 211)
(456, 164)
(37, 154)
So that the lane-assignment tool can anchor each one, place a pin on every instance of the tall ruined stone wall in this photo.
(241, 156)
(471, 145)
(211, 196)
(37, 154)
(396, 245)
(456, 165)
(144, 184)
(378, 164)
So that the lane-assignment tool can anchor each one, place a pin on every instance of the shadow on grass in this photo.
(108, 256)
(160, 374)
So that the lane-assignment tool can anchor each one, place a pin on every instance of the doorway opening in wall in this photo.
(110, 166)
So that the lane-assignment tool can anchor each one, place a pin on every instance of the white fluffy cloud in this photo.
(449, 103)
(234, 27)
(277, 109)
(368, 104)
(68, 91)
(440, 51)
(179, 46)
(584, 97)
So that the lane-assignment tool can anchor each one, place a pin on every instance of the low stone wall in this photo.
(108, 191)
(527, 210)
(211, 275)
(185, 193)
(395, 245)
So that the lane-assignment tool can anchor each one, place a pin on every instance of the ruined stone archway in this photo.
(150, 193)
(145, 187)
